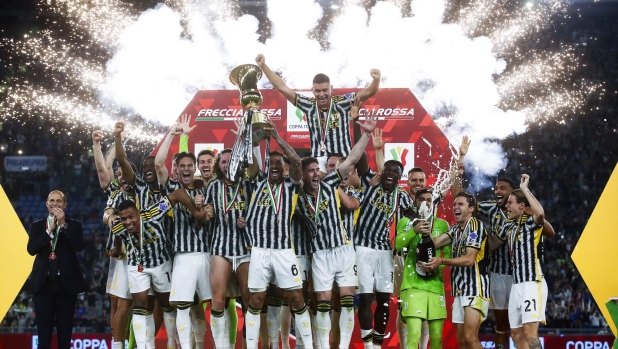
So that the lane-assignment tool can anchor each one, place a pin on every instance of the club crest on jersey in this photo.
(473, 235)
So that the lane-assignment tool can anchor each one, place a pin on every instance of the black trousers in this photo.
(53, 306)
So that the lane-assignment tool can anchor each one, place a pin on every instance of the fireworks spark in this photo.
(99, 60)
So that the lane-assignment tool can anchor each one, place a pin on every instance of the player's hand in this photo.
(52, 225)
(376, 179)
(118, 129)
(238, 123)
(199, 200)
(375, 74)
(97, 136)
(59, 214)
(271, 130)
(185, 124)
(260, 60)
(370, 123)
(465, 144)
(175, 130)
(354, 111)
(422, 228)
(525, 179)
(210, 211)
(240, 222)
(115, 252)
(376, 136)
(433, 264)
(111, 219)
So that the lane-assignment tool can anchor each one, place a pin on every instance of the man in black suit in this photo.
(56, 277)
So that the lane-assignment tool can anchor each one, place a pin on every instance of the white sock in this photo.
(183, 326)
(272, 322)
(314, 331)
(252, 328)
(169, 317)
(302, 324)
(299, 342)
(150, 331)
(285, 318)
(424, 335)
(118, 345)
(346, 326)
(322, 321)
(198, 325)
(139, 330)
(218, 325)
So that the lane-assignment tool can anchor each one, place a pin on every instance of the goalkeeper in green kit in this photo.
(422, 297)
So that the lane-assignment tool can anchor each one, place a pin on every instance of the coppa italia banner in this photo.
(411, 135)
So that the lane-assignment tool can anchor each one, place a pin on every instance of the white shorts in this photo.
(334, 265)
(120, 281)
(375, 270)
(233, 288)
(273, 266)
(461, 302)
(500, 291)
(110, 274)
(527, 303)
(160, 277)
(398, 266)
(305, 267)
(322, 161)
(191, 275)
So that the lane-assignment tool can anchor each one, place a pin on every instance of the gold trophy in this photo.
(246, 77)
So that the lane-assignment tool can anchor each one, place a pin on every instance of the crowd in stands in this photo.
(569, 162)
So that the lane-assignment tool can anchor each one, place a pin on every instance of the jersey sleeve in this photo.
(118, 229)
(405, 201)
(355, 193)
(304, 103)
(158, 211)
(503, 232)
(475, 235)
(346, 101)
(484, 207)
(333, 179)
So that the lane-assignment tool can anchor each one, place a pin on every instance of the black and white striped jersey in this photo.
(472, 281)
(499, 258)
(229, 203)
(336, 120)
(350, 217)
(153, 245)
(322, 216)
(189, 235)
(301, 236)
(523, 240)
(270, 213)
(378, 211)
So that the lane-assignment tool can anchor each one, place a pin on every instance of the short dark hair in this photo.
(394, 162)
(469, 198)
(415, 169)
(206, 152)
(507, 180)
(175, 156)
(148, 158)
(520, 197)
(308, 161)
(220, 175)
(332, 155)
(421, 192)
(321, 78)
(183, 155)
(126, 204)
(275, 153)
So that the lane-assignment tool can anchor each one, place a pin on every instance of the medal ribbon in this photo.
(276, 204)
(141, 241)
(315, 209)
(459, 237)
(395, 205)
(227, 206)
(320, 126)
(55, 238)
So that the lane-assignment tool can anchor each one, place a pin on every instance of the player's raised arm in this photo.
(373, 87)
(162, 172)
(535, 205)
(127, 172)
(296, 172)
(274, 79)
(99, 159)
(368, 126)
